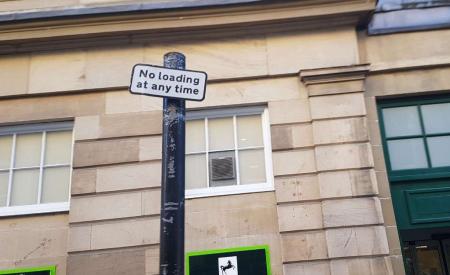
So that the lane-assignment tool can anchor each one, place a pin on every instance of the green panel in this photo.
(424, 204)
(428, 205)
(250, 260)
(47, 270)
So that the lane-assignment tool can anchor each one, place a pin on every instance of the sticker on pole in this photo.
(163, 82)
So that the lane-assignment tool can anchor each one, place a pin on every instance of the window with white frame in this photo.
(228, 151)
(35, 168)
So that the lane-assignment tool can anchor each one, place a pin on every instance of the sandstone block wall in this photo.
(324, 215)
(329, 211)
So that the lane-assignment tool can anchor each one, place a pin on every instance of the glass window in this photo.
(407, 153)
(436, 118)
(417, 136)
(227, 149)
(402, 121)
(35, 168)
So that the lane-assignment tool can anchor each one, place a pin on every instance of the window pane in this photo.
(25, 187)
(407, 154)
(55, 185)
(222, 169)
(195, 176)
(4, 177)
(58, 147)
(436, 118)
(439, 148)
(249, 131)
(28, 150)
(252, 168)
(5, 151)
(195, 136)
(402, 121)
(221, 136)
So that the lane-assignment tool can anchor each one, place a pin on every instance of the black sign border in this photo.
(228, 250)
(162, 67)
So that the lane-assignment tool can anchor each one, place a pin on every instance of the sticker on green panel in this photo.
(254, 260)
(48, 270)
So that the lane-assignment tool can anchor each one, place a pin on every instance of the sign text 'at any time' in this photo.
(163, 82)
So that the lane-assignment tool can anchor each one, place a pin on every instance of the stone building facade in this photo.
(313, 182)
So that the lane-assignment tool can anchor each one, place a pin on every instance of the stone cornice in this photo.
(334, 74)
(180, 24)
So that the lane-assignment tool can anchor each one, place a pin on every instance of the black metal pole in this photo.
(171, 261)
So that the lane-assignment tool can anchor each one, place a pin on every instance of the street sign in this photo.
(232, 261)
(163, 82)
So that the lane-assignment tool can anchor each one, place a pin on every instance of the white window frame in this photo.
(266, 186)
(38, 208)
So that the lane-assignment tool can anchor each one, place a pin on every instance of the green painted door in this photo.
(416, 142)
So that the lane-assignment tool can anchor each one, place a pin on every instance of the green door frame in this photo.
(411, 186)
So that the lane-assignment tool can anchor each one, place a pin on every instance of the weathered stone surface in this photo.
(109, 67)
(340, 130)
(26, 244)
(27, 4)
(293, 162)
(118, 125)
(87, 127)
(357, 241)
(300, 216)
(228, 223)
(297, 188)
(354, 211)
(345, 156)
(357, 266)
(221, 58)
(151, 202)
(51, 107)
(388, 211)
(103, 207)
(383, 184)
(393, 240)
(311, 50)
(11, 67)
(105, 152)
(291, 136)
(374, 130)
(125, 233)
(258, 91)
(117, 262)
(335, 106)
(150, 148)
(398, 265)
(121, 102)
(67, 66)
(307, 268)
(79, 237)
(152, 261)
(303, 246)
(289, 111)
(378, 158)
(134, 124)
(231, 221)
(128, 176)
(83, 181)
(410, 81)
(336, 88)
(419, 44)
(347, 183)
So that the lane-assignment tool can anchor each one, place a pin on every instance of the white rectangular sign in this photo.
(160, 81)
